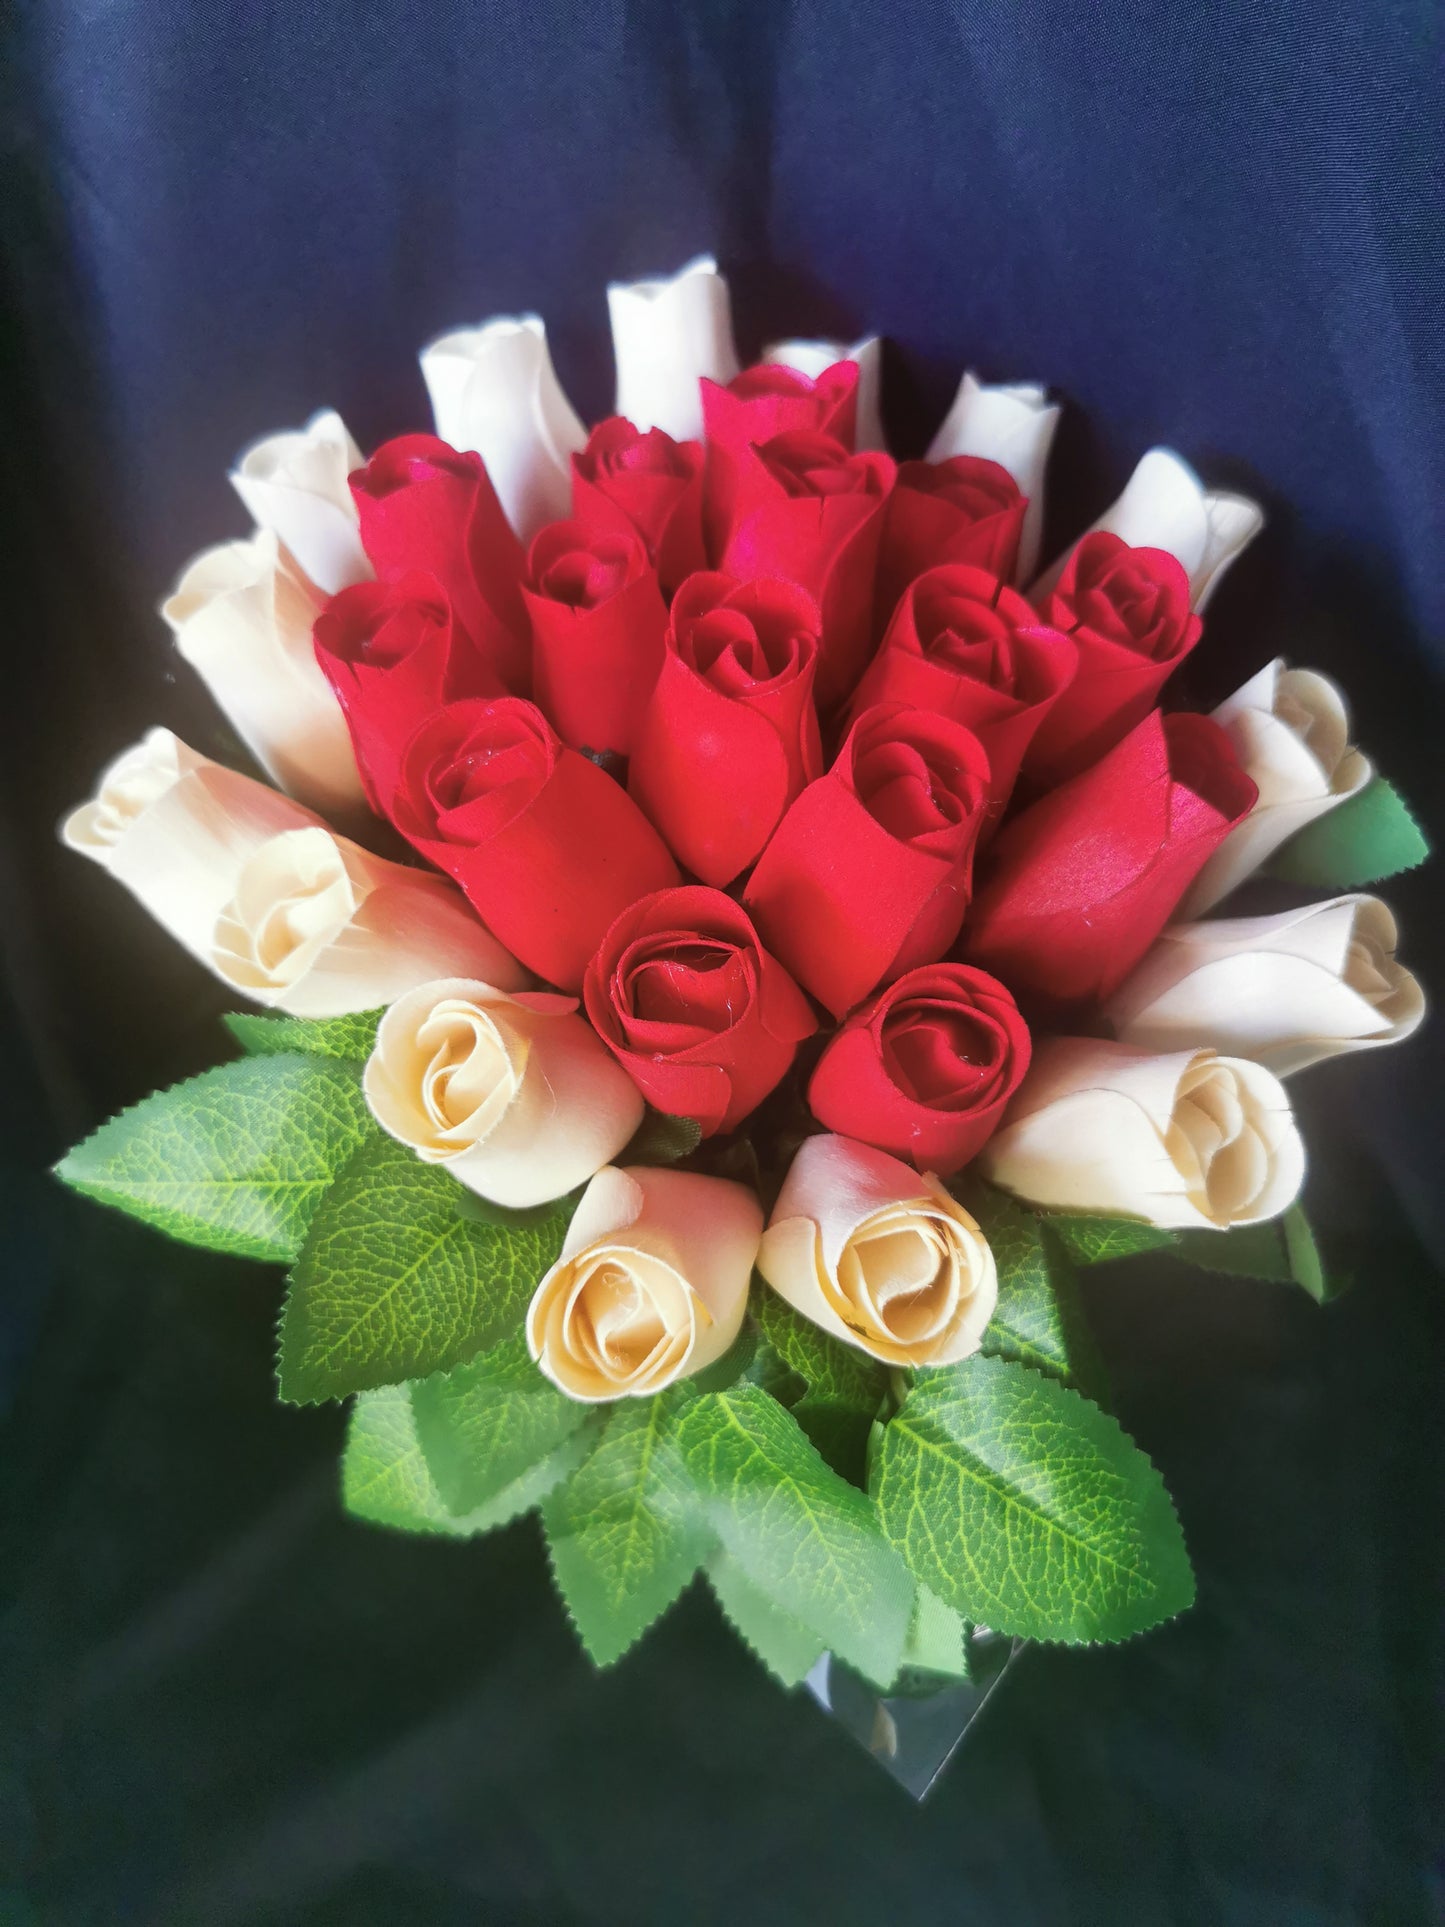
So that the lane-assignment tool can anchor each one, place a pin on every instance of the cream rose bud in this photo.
(180, 853)
(1287, 991)
(810, 358)
(295, 483)
(651, 1285)
(1186, 1138)
(878, 1256)
(667, 336)
(516, 1095)
(242, 615)
(494, 391)
(318, 927)
(259, 890)
(127, 786)
(1166, 506)
(1291, 733)
(1011, 423)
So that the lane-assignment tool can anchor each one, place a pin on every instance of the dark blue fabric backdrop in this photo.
(1219, 226)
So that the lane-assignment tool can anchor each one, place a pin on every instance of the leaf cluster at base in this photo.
(822, 1518)
(832, 1505)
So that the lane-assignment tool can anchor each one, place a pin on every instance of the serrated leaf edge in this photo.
(122, 1198)
(1041, 1639)
(788, 1685)
(559, 1589)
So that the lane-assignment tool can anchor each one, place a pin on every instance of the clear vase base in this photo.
(915, 1730)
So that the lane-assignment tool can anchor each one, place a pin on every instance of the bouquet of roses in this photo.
(766, 955)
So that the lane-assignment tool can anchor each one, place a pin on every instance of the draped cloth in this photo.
(1219, 227)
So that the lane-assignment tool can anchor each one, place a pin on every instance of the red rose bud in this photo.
(731, 735)
(425, 505)
(645, 484)
(963, 510)
(868, 874)
(770, 399)
(394, 652)
(546, 846)
(1077, 888)
(762, 402)
(963, 645)
(694, 1008)
(811, 513)
(926, 1068)
(598, 620)
(1128, 613)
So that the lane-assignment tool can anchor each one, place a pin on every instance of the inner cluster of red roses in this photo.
(763, 728)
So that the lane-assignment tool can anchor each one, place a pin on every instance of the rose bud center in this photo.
(702, 986)
(654, 453)
(939, 1056)
(583, 578)
(293, 898)
(402, 630)
(970, 637)
(1219, 1141)
(904, 1272)
(469, 1078)
(912, 788)
(728, 649)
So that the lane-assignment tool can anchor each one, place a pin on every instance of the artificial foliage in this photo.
(830, 1506)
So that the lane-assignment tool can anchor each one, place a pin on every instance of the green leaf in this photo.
(1027, 1509)
(1370, 837)
(776, 1376)
(1304, 1257)
(843, 1389)
(485, 1423)
(624, 1532)
(806, 1539)
(385, 1478)
(738, 1361)
(349, 1037)
(788, 1650)
(393, 1282)
(236, 1159)
(1093, 1241)
(1029, 1323)
(1281, 1251)
(839, 1433)
(483, 1211)
(937, 1639)
(834, 1373)
(661, 1139)
(1248, 1251)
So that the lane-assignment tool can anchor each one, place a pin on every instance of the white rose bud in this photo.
(666, 337)
(1287, 991)
(810, 358)
(1291, 732)
(259, 890)
(878, 1256)
(1184, 1139)
(1166, 506)
(494, 391)
(242, 615)
(651, 1285)
(516, 1095)
(1011, 423)
(295, 483)
(319, 927)
(127, 786)
(180, 854)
